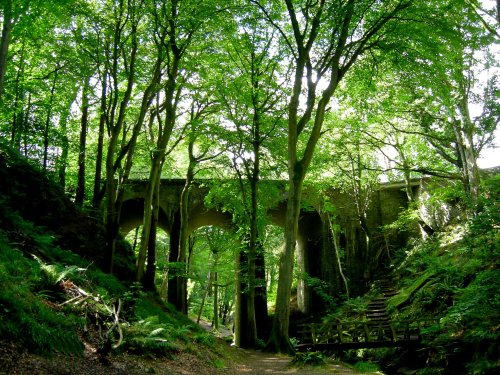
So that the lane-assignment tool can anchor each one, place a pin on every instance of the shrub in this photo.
(309, 358)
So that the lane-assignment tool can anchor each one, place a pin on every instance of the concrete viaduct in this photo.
(315, 252)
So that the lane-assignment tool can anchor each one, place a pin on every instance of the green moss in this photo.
(405, 294)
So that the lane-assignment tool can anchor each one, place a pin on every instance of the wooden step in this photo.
(377, 315)
(376, 306)
(375, 311)
(379, 320)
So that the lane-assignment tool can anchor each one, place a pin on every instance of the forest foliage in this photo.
(328, 94)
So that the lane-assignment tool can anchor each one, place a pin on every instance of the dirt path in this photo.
(259, 363)
(252, 362)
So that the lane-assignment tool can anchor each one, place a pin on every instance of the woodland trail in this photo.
(254, 362)
(258, 363)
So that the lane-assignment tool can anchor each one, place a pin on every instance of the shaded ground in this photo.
(14, 360)
(258, 363)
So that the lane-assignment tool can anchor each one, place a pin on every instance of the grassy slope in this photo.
(453, 281)
(56, 301)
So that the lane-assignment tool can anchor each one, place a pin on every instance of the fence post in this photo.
(339, 331)
(393, 332)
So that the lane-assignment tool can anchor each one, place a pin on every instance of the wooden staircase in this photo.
(377, 307)
(378, 330)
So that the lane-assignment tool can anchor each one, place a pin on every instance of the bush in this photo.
(309, 359)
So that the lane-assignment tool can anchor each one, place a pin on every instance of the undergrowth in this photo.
(52, 300)
(48, 305)
(453, 278)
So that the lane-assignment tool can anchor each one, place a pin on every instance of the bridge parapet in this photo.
(358, 334)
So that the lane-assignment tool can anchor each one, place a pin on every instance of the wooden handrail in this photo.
(345, 332)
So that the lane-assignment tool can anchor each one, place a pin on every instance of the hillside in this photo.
(59, 312)
(450, 284)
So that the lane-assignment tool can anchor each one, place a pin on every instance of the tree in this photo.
(4, 43)
(440, 77)
(325, 39)
(199, 151)
(181, 25)
(253, 103)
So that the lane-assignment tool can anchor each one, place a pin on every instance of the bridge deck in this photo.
(356, 335)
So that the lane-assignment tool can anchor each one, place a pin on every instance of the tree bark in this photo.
(63, 126)
(215, 324)
(5, 41)
(80, 188)
(172, 257)
(182, 259)
(173, 56)
(46, 130)
(149, 277)
(115, 129)
(96, 196)
(17, 116)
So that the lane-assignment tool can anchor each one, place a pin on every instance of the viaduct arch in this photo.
(315, 249)
(309, 242)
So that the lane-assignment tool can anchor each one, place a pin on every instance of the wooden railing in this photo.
(361, 334)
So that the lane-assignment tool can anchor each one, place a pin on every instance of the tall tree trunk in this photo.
(279, 338)
(149, 277)
(172, 257)
(115, 128)
(17, 116)
(82, 146)
(96, 196)
(182, 259)
(205, 293)
(46, 129)
(158, 158)
(154, 179)
(241, 301)
(336, 247)
(465, 136)
(215, 284)
(261, 315)
(63, 126)
(4, 42)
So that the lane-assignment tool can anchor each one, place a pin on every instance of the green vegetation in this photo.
(150, 149)
(54, 301)
(452, 282)
(309, 358)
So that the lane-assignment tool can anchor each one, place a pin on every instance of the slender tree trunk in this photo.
(261, 315)
(63, 126)
(157, 164)
(115, 129)
(111, 214)
(17, 117)
(172, 257)
(24, 126)
(182, 259)
(205, 293)
(465, 134)
(96, 197)
(336, 247)
(4, 42)
(215, 284)
(149, 278)
(46, 130)
(154, 177)
(84, 124)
